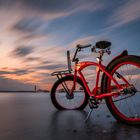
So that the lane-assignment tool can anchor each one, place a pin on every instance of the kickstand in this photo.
(89, 114)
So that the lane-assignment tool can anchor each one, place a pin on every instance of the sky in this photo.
(35, 35)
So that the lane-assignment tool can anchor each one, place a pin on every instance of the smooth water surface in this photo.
(31, 116)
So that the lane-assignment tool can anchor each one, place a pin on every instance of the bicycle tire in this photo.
(114, 107)
(55, 91)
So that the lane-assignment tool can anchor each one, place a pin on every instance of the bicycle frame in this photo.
(79, 66)
(78, 72)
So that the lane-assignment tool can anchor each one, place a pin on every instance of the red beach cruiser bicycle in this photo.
(120, 84)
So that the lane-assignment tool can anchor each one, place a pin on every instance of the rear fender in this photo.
(72, 75)
(124, 53)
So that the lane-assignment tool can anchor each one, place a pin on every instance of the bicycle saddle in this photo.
(103, 44)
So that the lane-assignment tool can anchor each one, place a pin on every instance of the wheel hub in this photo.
(69, 96)
(129, 90)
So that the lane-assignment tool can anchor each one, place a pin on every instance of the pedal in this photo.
(93, 103)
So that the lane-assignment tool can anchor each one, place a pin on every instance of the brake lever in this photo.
(79, 49)
(93, 49)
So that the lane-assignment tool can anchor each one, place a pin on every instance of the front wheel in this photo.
(124, 107)
(61, 97)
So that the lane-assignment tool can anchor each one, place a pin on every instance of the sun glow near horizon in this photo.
(35, 35)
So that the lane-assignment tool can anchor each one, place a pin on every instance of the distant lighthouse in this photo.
(35, 88)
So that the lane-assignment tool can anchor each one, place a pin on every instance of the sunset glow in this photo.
(35, 35)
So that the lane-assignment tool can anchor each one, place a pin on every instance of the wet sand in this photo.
(31, 116)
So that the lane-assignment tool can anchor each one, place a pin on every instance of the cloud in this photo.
(55, 6)
(50, 5)
(47, 11)
(62, 23)
(16, 72)
(44, 62)
(7, 84)
(7, 3)
(83, 41)
(32, 25)
(22, 51)
(125, 14)
(52, 67)
(32, 59)
(54, 54)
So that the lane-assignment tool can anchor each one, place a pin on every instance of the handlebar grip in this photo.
(83, 46)
(79, 47)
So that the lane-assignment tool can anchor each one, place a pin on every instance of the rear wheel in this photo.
(124, 107)
(61, 97)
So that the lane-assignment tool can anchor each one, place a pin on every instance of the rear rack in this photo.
(60, 74)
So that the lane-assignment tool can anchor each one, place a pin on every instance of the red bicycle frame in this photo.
(81, 65)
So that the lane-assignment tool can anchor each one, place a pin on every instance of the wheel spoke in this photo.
(63, 99)
(126, 105)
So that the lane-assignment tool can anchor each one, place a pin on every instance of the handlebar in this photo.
(79, 47)
(101, 47)
(83, 46)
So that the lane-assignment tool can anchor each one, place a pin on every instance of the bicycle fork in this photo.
(70, 92)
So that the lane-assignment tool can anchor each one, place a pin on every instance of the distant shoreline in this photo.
(25, 91)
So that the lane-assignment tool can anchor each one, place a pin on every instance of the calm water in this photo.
(31, 116)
